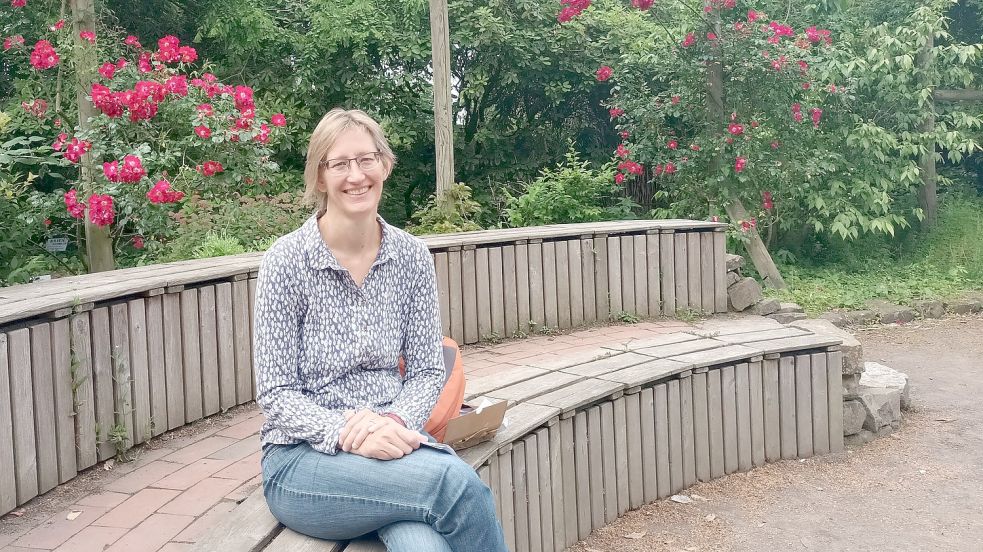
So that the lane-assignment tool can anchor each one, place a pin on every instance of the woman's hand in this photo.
(365, 424)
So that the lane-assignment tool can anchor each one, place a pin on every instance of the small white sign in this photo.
(56, 244)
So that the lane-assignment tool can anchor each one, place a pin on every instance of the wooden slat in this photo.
(585, 482)
(595, 452)
(743, 387)
(675, 438)
(534, 521)
(694, 274)
(688, 430)
(225, 336)
(510, 291)
(102, 381)
(646, 406)
(720, 271)
(522, 285)
(484, 298)
(443, 291)
(662, 440)
(757, 405)
(84, 402)
(250, 527)
(609, 455)
(588, 273)
(469, 289)
(573, 460)
(8, 472)
(786, 399)
(243, 341)
(602, 290)
(291, 541)
(191, 358)
(520, 497)
(576, 279)
(834, 396)
(803, 405)
(507, 498)
(667, 265)
(654, 276)
(208, 333)
(495, 476)
(365, 544)
(633, 434)
(621, 454)
(562, 267)
(550, 485)
(122, 373)
(139, 370)
(715, 410)
(728, 393)
(173, 357)
(640, 277)
(537, 286)
(707, 275)
(772, 406)
(820, 405)
(550, 285)
(22, 414)
(44, 407)
(455, 272)
(627, 245)
(681, 267)
(61, 362)
(615, 305)
(701, 426)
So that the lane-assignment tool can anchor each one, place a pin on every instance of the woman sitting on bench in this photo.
(338, 302)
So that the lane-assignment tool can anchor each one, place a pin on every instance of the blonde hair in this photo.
(332, 125)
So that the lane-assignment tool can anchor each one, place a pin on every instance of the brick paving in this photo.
(170, 496)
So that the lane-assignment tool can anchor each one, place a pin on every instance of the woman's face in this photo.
(351, 176)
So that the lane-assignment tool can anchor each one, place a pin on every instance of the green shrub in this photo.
(454, 211)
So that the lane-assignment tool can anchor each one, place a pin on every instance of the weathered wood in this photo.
(681, 268)
(208, 333)
(786, 399)
(469, 289)
(533, 520)
(510, 291)
(225, 335)
(688, 430)
(61, 363)
(654, 278)
(364, 544)
(42, 385)
(650, 476)
(609, 455)
(102, 382)
(8, 471)
(967, 95)
(627, 267)
(455, 286)
(720, 271)
(676, 469)
(572, 455)
(139, 370)
(243, 342)
(122, 372)
(707, 275)
(22, 414)
(602, 292)
(728, 393)
(252, 282)
(495, 476)
(550, 285)
(694, 272)
(772, 406)
(803, 405)
(562, 268)
(537, 287)
(522, 271)
(484, 299)
(250, 528)
(820, 405)
(615, 304)
(507, 498)
(173, 368)
(662, 452)
(520, 497)
(291, 541)
(667, 265)
(191, 359)
(701, 426)
(576, 280)
(595, 449)
(633, 435)
(586, 481)
(834, 396)
(550, 486)
(588, 273)
(84, 401)
(715, 410)
(443, 291)
(742, 386)
(640, 278)
(757, 406)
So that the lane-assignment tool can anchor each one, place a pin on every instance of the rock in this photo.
(789, 307)
(889, 313)
(789, 317)
(929, 309)
(732, 278)
(852, 351)
(851, 386)
(765, 307)
(863, 436)
(883, 407)
(965, 305)
(743, 294)
(854, 415)
(850, 318)
(734, 262)
(878, 375)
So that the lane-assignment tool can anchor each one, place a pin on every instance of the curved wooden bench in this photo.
(590, 439)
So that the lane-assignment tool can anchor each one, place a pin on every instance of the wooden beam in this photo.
(958, 95)
(442, 116)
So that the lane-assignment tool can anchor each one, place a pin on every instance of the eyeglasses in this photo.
(340, 167)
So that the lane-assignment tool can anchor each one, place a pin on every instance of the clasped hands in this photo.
(373, 436)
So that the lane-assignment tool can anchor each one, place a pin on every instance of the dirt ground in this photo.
(918, 489)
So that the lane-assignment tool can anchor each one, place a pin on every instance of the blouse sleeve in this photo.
(277, 327)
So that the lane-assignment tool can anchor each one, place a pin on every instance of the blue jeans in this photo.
(427, 500)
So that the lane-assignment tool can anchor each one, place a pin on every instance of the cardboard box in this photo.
(473, 427)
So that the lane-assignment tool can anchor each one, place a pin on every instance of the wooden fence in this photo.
(94, 364)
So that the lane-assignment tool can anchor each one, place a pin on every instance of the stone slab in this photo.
(765, 307)
(743, 294)
(878, 375)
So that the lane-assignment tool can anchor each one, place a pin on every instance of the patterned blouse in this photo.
(324, 345)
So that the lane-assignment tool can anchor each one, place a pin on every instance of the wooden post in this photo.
(442, 116)
(928, 198)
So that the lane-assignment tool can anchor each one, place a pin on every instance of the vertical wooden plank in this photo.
(694, 270)
(563, 315)
(252, 334)
(667, 266)
(484, 475)
(820, 405)
(225, 334)
(602, 290)
(701, 426)
(584, 476)
(469, 289)
(615, 305)
(565, 504)
(22, 414)
(720, 271)
(43, 385)
(174, 370)
(455, 299)
(550, 479)
(191, 349)
(621, 454)
(211, 397)
(757, 405)
(715, 409)
(84, 401)
(510, 291)
(640, 263)
(610, 462)
(520, 498)
(707, 275)
(681, 267)
(550, 285)
(537, 300)
(576, 296)
(834, 397)
(61, 362)
(534, 521)
(443, 291)
(773, 415)
(650, 481)
(688, 426)
(495, 476)
(803, 405)
(627, 246)
(786, 399)
(728, 393)
(633, 433)
(243, 342)
(595, 449)
(139, 370)
(122, 373)
(675, 438)
(483, 287)
(588, 273)
(743, 386)
(508, 499)
(8, 472)
(662, 454)
(102, 381)
(654, 273)
(522, 285)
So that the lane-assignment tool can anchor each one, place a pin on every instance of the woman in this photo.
(338, 301)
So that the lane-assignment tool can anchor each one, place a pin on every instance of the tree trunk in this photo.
(928, 198)
(442, 116)
(958, 95)
(98, 242)
(735, 208)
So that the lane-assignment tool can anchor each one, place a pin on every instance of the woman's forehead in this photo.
(351, 142)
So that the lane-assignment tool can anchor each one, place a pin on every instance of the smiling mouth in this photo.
(357, 191)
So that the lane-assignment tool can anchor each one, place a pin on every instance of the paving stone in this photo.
(92, 539)
(152, 534)
(878, 375)
(239, 450)
(788, 317)
(192, 474)
(198, 499)
(790, 307)
(852, 350)
(211, 518)
(134, 511)
(244, 469)
(765, 307)
(889, 313)
(176, 547)
(103, 500)
(854, 415)
(143, 477)
(929, 309)
(201, 449)
(743, 294)
(734, 262)
(58, 528)
(245, 428)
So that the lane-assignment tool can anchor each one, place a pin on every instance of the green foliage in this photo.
(453, 211)
(572, 192)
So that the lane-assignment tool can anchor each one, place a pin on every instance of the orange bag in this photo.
(449, 403)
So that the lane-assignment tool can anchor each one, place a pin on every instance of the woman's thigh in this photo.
(412, 536)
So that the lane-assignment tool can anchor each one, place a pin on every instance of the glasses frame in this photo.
(348, 162)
